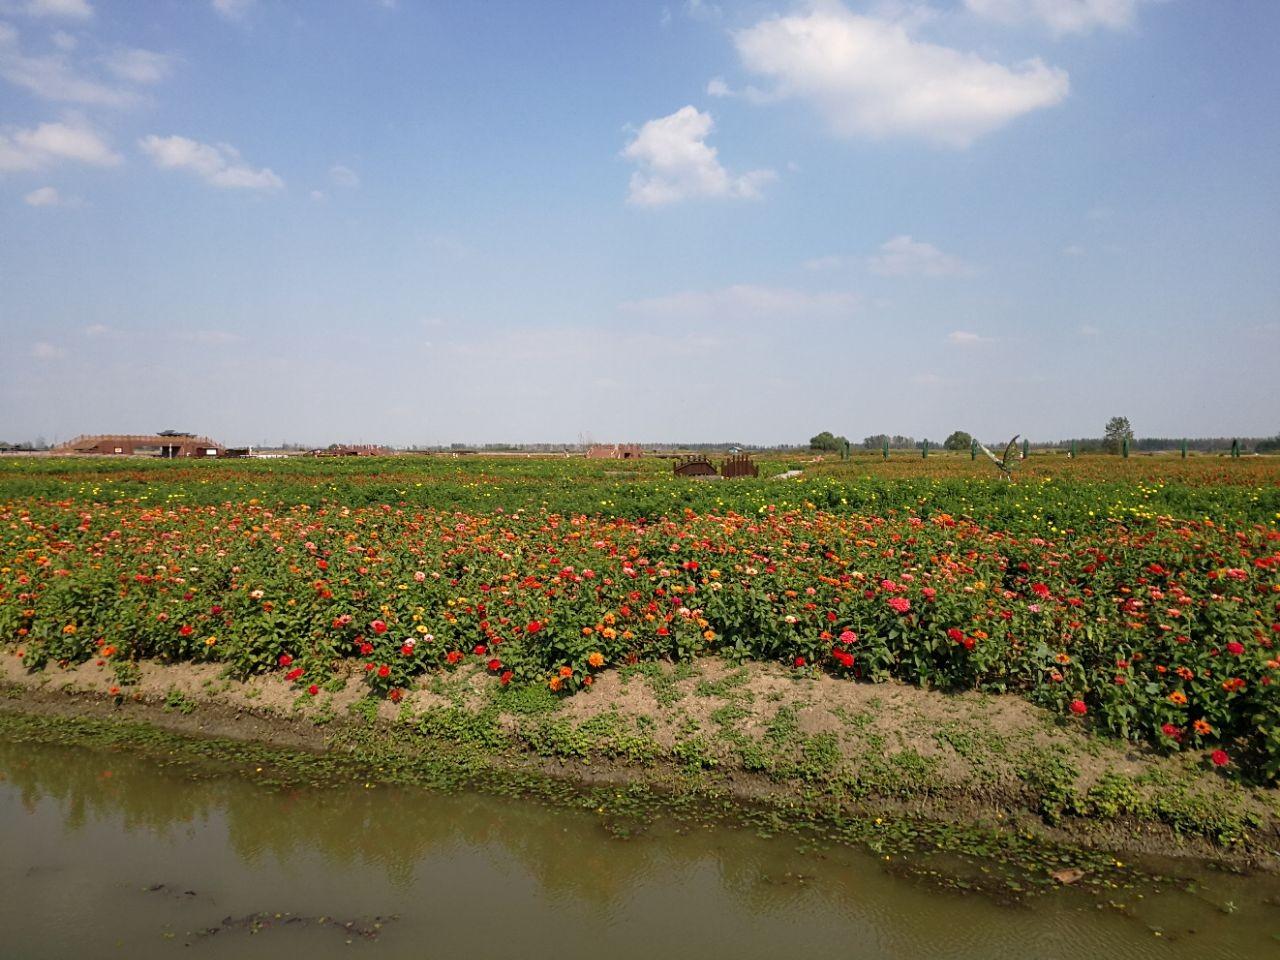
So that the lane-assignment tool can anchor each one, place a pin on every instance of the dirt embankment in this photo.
(757, 731)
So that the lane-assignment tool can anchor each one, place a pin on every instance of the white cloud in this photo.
(232, 9)
(101, 330)
(966, 338)
(217, 164)
(53, 76)
(675, 163)
(1060, 16)
(44, 197)
(33, 149)
(47, 351)
(716, 87)
(904, 257)
(344, 176)
(139, 66)
(1073, 250)
(869, 78)
(64, 41)
(70, 9)
(744, 303)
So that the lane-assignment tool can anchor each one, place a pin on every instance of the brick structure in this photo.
(168, 446)
(615, 451)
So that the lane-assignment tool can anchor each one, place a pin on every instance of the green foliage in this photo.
(958, 441)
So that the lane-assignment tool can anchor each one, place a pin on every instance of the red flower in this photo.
(384, 671)
(186, 630)
(285, 660)
(407, 650)
(533, 626)
(480, 650)
(395, 693)
(1078, 707)
(1219, 758)
(495, 665)
(453, 656)
(378, 626)
(313, 690)
(505, 678)
(1235, 647)
(294, 674)
(1040, 590)
(799, 661)
(955, 634)
(366, 649)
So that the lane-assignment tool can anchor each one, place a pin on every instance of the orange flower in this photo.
(1178, 697)
(596, 659)
(566, 672)
(554, 684)
(1202, 728)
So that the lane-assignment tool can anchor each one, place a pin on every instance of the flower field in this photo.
(1142, 597)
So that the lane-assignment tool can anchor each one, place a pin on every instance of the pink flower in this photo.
(900, 604)
(848, 636)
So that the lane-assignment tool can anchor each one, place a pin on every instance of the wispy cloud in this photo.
(905, 257)
(966, 338)
(48, 197)
(217, 164)
(342, 176)
(869, 77)
(1060, 16)
(674, 162)
(743, 303)
(68, 9)
(53, 76)
(43, 350)
(232, 9)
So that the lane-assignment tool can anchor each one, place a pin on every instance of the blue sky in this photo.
(425, 222)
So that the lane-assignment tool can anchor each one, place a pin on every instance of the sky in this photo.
(422, 222)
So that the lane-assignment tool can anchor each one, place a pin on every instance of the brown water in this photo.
(108, 855)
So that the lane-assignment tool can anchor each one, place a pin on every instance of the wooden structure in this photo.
(694, 466)
(166, 445)
(615, 451)
(739, 465)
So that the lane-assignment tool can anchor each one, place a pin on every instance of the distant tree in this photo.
(1118, 430)
(959, 440)
(827, 440)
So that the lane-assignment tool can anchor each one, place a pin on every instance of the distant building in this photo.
(615, 451)
(168, 445)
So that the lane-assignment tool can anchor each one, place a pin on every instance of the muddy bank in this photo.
(754, 733)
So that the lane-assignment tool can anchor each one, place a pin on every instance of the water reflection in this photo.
(87, 833)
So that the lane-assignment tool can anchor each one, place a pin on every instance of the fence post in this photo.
(1124, 448)
(973, 449)
(924, 451)
(1026, 448)
(1073, 449)
(885, 448)
(1184, 449)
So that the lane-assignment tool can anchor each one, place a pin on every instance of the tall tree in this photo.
(1117, 432)
(959, 440)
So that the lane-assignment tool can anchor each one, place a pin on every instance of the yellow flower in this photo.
(210, 641)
